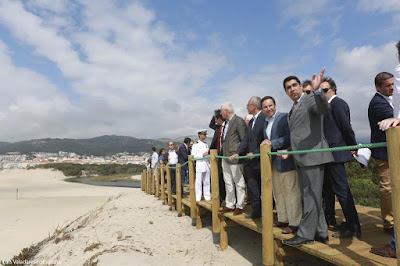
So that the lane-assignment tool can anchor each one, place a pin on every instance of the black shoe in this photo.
(253, 216)
(330, 221)
(323, 240)
(388, 230)
(297, 241)
(346, 233)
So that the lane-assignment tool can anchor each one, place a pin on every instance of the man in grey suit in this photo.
(306, 132)
(285, 183)
(233, 132)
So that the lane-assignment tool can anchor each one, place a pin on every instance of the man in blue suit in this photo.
(338, 132)
(285, 183)
(251, 145)
(380, 108)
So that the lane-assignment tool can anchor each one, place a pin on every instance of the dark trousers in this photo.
(221, 182)
(173, 179)
(335, 183)
(254, 189)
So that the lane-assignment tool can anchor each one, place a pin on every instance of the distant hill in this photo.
(103, 145)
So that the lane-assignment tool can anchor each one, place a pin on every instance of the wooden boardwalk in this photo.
(339, 251)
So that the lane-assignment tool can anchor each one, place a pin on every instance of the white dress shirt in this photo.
(396, 94)
(254, 119)
(172, 157)
(389, 99)
(270, 121)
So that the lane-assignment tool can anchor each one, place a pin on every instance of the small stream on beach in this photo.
(86, 180)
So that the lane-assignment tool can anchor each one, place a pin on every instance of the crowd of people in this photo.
(304, 185)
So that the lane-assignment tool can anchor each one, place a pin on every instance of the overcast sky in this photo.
(151, 69)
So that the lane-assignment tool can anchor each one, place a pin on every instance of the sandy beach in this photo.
(45, 202)
(90, 225)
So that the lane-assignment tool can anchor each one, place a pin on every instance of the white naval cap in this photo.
(202, 131)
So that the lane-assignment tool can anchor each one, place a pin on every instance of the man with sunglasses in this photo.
(338, 132)
(307, 86)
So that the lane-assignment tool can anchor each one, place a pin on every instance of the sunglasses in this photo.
(325, 90)
(308, 92)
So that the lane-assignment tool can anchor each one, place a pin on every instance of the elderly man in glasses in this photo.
(338, 132)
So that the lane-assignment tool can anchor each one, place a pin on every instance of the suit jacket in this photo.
(252, 140)
(183, 156)
(337, 129)
(378, 110)
(234, 135)
(216, 127)
(307, 132)
(280, 140)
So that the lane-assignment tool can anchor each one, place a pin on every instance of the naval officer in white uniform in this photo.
(200, 150)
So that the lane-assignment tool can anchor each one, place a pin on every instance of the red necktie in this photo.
(219, 139)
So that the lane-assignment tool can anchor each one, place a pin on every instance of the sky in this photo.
(156, 68)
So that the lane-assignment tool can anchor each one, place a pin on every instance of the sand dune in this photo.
(45, 203)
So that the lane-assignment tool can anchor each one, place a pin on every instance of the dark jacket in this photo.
(378, 110)
(337, 129)
(280, 140)
(252, 140)
(216, 127)
(183, 153)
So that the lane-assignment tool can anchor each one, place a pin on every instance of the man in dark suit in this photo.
(285, 183)
(306, 132)
(183, 153)
(249, 146)
(233, 133)
(338, 132)
(216, 124)
(380, 108)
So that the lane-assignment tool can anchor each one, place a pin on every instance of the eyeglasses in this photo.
(325, 90)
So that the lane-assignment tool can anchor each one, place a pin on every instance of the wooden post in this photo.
(178, 190)
(393, 146)
(215, 191)
(192, 190)
(141, 181)
(268, 249)
(223, 239)
(169, 190)
(157, 181)
(149, 181)
(162, 184)
(144, 180)
(153, 181)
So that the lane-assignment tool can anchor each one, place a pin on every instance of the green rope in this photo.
(203, 158)
(344, 148)
(185, 163)
(239, 157)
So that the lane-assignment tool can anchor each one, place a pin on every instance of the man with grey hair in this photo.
(233, 132)
(249, 146)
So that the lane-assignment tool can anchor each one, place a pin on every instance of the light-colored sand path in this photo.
(136, 229)
(45, 203)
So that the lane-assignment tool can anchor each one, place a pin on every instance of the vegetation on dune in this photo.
(106, 172)
(364, 184)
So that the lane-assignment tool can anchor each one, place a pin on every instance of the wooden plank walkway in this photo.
(339, 251)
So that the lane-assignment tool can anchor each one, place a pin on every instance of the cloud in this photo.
(124, 66)
(378, 6)
(355, 70)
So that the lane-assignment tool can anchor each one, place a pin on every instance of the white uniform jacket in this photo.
(198, 150)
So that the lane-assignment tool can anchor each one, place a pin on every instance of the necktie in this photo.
(252, 122)
(291, 110)
(226, 124)
(219, 139)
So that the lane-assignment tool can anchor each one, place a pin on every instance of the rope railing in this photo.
(343, 148)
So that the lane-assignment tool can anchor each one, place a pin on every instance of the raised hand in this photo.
(317, 80)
